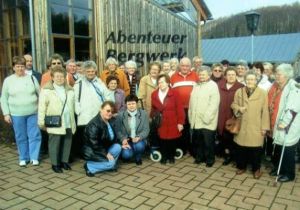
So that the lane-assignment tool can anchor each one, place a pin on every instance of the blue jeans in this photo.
(28, 136)
(95, 167)
(137, 149)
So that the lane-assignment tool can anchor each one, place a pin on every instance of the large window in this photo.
(14, 32)
(72, 28)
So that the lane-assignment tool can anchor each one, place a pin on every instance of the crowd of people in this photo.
(71, 112)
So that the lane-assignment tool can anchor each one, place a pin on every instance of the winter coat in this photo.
(288, 115)
(226, 99)
(97, 140)
(146, 88)
(50, 104)
(119, 98)
(254, 119)
(87, 101)
(172, 114)
(142, 125)
(204, 106)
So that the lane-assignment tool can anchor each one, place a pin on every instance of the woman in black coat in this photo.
(101, 149)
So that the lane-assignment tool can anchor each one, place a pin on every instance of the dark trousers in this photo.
(168, 148)
(60, 147)
(227, 143)
(245, 155)
(44, 142)
(185, 140)
(268, 146)
(204, 143)
(77, 143)
(288, 161)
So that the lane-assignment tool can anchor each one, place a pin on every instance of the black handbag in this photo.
(54, 121)
(156, 120)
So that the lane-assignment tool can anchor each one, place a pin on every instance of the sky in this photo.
(222, 8)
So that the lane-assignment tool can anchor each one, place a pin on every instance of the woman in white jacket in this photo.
(284, 106)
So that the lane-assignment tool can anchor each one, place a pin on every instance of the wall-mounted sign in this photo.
(149, 38)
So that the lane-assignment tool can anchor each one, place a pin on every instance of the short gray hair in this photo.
(131, 64)
(269, 65)
(71, 61)
(242, 63)
(111, 60)
(175, 60)
(286, 69)
(205, 68)
(251, 72)
(88, 65)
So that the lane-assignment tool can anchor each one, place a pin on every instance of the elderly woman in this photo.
(166, 67)
(197, 63)
(203, 117)
(166, 101)
(19, 104)
(118, 95)
(174, 62)
(101, 148)
(132, 76)
(251, 105)
(148, 84)
(111, 68)
(133, 130)
(227, 89)
(57, 99)
(217, 72)
(284, 106)
(263, 81)
(88, 89)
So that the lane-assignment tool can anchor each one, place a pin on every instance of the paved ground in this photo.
(150, 186)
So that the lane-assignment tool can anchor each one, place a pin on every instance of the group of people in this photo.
(111, 116)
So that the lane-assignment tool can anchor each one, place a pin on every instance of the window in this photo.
(14, 32)
(72, 28)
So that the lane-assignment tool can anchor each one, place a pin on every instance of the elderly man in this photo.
(197, 63)
(111, 68)
(90, 93)
(71, 68)
(29, 70)
(183, 82)
(242, 68)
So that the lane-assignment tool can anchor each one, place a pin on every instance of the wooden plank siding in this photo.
(140, 17)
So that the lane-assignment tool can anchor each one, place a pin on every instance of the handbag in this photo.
(156, 120)
(54, 121)
(233, 125)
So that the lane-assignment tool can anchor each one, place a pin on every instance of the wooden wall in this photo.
(140, 17)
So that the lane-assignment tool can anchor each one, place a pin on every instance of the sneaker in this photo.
(35, 162)
(22, 163)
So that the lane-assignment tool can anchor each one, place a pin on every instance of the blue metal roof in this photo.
(273, 48)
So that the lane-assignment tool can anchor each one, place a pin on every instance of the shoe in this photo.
(227, 160)
(257, 174)
(172, 161)
(138, 162)
(197, 161)
(273, 172)
(284, 178)
(22, 163)
(240, 171)
(35, 162)
(66, 166)
(163, 161)
(56, 169)
(209, 165)
(87, 172)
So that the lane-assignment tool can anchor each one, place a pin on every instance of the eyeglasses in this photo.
(56, 63)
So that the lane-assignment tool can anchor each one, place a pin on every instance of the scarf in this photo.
(132, 123)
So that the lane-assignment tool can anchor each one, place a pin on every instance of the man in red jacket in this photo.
(183, 82)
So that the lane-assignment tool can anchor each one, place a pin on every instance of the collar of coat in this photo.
(125, 119)
(49, 86)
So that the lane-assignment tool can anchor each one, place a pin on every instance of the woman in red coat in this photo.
(166, 101)
(227, 89)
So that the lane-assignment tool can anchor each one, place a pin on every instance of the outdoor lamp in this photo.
(252, 19)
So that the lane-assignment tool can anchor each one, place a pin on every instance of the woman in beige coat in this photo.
(251, 105)
(57, 98)
(148, 84)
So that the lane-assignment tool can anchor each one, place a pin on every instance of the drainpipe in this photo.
(32, 34)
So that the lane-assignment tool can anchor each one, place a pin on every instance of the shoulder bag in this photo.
(54, 121)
